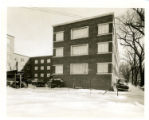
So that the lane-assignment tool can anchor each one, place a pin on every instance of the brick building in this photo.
(38, 68)
(86, 53)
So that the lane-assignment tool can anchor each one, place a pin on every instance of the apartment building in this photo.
(85, 53)
(38, 68)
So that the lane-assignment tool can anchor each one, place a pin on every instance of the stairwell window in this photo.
(103, 28)
(59, 36)
(103, 47)
(58, 52)
(79, 68)
(77, 50)
(82, 32)
(58, 69)
(102, 68)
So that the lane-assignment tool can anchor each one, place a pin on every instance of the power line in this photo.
(51, 11)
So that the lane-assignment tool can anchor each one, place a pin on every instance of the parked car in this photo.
(38, 82)
(17, 84)
(122, 85)
(56, 82)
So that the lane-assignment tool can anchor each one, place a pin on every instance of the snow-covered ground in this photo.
(68, 103)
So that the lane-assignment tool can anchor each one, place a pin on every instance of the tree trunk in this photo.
(136, 76)
(141, 72)
(132, 77)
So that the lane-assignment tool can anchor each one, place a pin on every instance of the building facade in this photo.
(38, 68)
(14, 61)
(85, 53)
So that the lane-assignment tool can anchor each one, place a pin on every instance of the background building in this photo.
(38, 68)
(14, 61)
(85, 53)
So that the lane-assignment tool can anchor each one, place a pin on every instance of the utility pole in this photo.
(90, 86)
(15, 80)
(20, 80)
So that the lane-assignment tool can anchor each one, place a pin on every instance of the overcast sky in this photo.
(32, 27)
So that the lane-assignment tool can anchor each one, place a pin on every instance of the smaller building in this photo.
(38, 68)
(20, 61)
(15, 61)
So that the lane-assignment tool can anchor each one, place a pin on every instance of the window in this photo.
(81, 68)
(35, 75)
(36, 61)
(42, 67)
(59, 52)
(48, 60)
(42, 60)
(41, 75)
(36, 68)
(102, 68)
(79, 32)
(103, 47)
(48, 74)
(58, 69)
(22, 60)
(103, 28)
(79, 50)
(28, 68)
(59, 36)
(35, 80)
(48, 67)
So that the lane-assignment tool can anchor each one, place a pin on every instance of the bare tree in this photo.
(131, 34)
(125, 71)
(133, 61)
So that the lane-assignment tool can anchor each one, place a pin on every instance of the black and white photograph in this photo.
(75, 62)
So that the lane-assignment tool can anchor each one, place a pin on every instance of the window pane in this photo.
(42, 61)
(103, 29)
(59, 52)
(79, 33)
(79, 50)
(35, 75)
(36, 68)
(36, 61)
(102, 68)
(59, 36)
(81, 68)
(58, 69)
(48, 74)
(41, 75)
(42, 67)
(103, 47)
(48, 60)
(48, 67)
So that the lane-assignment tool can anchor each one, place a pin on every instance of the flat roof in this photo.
(21, 55)
(83, 19)
(10, 35)
(41, 56)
